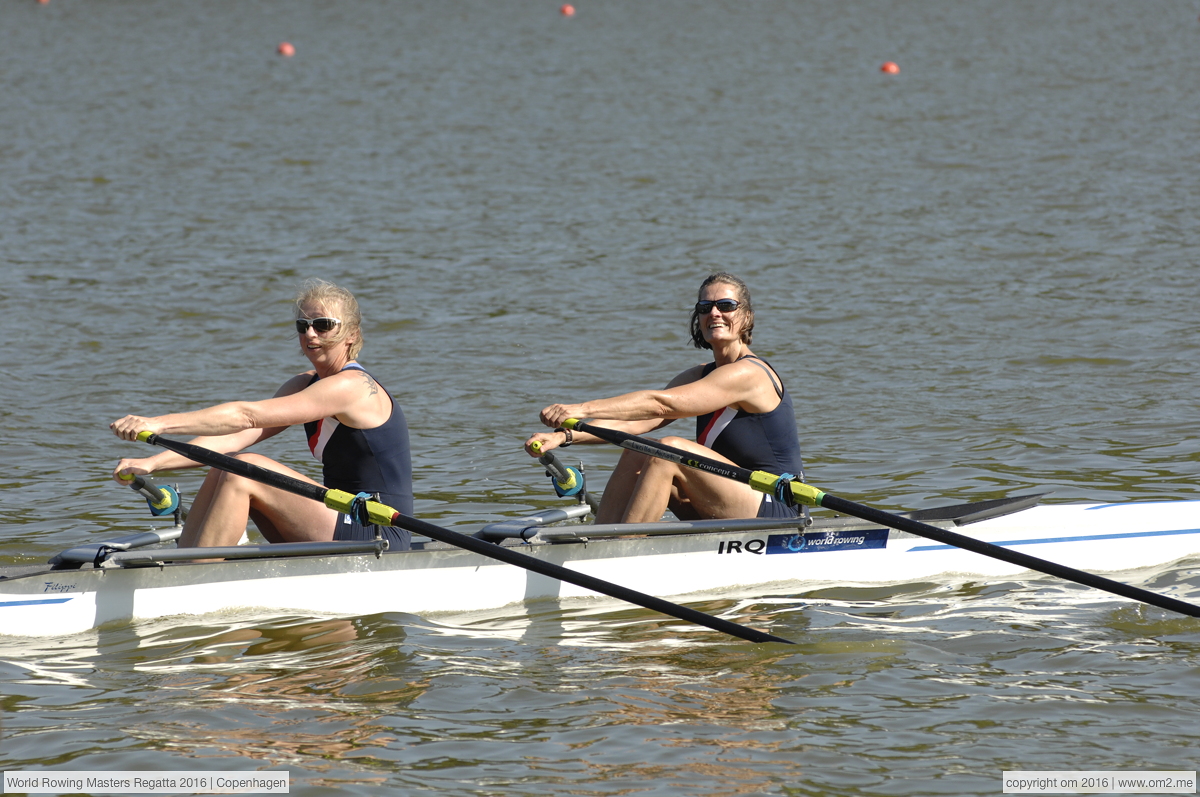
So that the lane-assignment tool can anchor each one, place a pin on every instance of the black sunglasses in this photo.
(322, 325)
(724, 305)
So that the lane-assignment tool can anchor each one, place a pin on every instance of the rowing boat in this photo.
(143, 576)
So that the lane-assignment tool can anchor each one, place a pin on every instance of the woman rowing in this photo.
(743, 416)
(353, 427)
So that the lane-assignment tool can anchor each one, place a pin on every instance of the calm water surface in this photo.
(978, 277)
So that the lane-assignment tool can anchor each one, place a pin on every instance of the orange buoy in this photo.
(286, 49)
(567, 10)
(890, 68)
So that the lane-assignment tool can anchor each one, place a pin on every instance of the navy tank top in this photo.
(365, 460)
(767, 441)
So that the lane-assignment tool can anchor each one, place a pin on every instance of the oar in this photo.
(797, 492)
(162, 499)
(568, 481)
(383, 515)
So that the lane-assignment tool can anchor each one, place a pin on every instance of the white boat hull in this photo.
(1100, 538)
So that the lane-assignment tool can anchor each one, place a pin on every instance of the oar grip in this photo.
(567, 480)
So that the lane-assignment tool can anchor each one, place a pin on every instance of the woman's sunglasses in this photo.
(322, 325)
(724, 305)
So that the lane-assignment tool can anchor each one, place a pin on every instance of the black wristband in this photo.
(569, 434)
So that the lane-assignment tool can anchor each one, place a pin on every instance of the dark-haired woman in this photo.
(353, 427)
(743, 416)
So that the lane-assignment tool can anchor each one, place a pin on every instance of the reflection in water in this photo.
(248, 641)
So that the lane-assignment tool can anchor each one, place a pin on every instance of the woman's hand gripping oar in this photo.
(787, 489)
(383, 515)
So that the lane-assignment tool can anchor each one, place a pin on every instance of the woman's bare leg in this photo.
(615, 499)
(226, 502)
(706, 495)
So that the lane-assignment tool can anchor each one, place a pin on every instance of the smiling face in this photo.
(710, 325)
(716, 325)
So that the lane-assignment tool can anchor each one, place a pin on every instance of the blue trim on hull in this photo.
(36, 602)
(1046, 540)
(1136, 504)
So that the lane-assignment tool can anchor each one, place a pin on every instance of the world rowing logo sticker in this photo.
(813, 542)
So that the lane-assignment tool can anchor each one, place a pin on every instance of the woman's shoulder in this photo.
(296, 383)
(355, 378)
(754, 367)
(693, 374)
(748, 363)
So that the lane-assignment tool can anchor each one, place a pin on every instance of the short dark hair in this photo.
(745, 309)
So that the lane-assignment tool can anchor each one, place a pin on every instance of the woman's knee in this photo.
(658, 465)
(246, 483)
(631, 461)
(232, 481)
(257, 459)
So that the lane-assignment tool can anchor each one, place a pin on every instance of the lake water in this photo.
(977, 276)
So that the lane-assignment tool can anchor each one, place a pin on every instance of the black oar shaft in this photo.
(1007, 555)
(385, 515)
(803, 493)
(653, 448)
(514, 557)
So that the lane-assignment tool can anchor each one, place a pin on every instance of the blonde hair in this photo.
(335, 299)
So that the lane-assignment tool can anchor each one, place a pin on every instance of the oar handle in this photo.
(162, 500)
(566, 478)
(142, 485)
(568, 481)
(563, 475)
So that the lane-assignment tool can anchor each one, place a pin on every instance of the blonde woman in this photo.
(352, 425)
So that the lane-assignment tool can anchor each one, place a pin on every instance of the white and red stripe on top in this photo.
(317, 441)
(716, 425)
